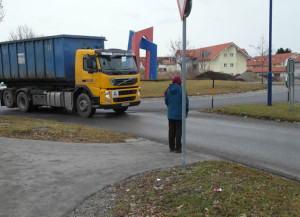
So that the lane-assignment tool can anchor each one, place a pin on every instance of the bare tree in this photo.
(22, 32)
(2, 13)
(262, 49)
(175, 47)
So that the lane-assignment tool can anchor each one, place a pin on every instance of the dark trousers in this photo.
(175, 127)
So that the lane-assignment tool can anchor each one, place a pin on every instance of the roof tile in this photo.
(212, 51)
(276, 59)
(266, 69)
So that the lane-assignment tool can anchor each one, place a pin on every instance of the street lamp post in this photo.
(270, 58)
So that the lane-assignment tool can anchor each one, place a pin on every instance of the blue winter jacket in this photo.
(173, 100)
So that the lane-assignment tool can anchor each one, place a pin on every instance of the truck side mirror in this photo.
(89, 62)
(91, 71)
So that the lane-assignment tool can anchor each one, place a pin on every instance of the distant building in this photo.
(172, 66)
(167, 64)
(297, 67)
(297, 61)
(162, 63)
(260, 64)
(227, 58)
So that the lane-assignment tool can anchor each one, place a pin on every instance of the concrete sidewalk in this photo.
(43, 178)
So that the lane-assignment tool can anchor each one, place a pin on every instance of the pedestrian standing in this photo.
(173, 100)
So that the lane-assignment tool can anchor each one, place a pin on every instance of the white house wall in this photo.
(230, 61)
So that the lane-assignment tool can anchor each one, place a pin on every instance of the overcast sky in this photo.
(211, 22)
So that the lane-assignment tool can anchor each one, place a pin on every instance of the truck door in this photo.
(90, 76)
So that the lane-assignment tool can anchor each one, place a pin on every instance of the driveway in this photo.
(43, 178)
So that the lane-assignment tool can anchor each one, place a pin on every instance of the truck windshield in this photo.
(118, 65)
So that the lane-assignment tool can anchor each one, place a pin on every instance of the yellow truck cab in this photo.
(110, 77)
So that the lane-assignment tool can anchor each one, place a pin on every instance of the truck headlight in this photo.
(107, 94)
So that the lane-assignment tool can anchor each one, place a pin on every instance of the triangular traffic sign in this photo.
(181, 7)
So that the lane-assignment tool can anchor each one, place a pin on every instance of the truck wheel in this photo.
(84, 106)
(23, 102)
(8, 99)
(120, 110)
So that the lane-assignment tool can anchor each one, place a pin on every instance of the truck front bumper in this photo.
(117, 98)
(120, 105)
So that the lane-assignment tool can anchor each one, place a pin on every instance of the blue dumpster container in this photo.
(44, 59)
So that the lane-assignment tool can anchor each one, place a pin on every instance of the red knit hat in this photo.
(177, 80)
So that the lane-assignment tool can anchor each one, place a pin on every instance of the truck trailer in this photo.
(68, 71)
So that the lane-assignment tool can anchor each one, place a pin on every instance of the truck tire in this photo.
(23, 102)
(84, 106)
(8, 98)
(120, 110)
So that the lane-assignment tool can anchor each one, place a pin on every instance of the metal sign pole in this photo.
(213, 93)
(294, 90)
(290, 92)
(183, 92)
(185, 7)
(290, 69)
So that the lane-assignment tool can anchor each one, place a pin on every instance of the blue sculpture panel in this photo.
(149, 46)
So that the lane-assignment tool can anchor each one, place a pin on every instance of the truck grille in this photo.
(127, 92)
(123, 81)
(124, 99)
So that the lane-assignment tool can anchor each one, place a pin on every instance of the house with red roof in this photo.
(171, 65)
(167, 64)
(260, 64)
(227, 58)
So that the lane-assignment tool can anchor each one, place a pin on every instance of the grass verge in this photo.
(278, 111)
(26, 128)
(245, 192)
(199, 87)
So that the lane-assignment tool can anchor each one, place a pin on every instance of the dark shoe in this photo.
(172, 150)
(178, 151)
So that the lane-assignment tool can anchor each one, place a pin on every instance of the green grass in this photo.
(245, 192)
(27, 128)
(199, 87)
(278, 111)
